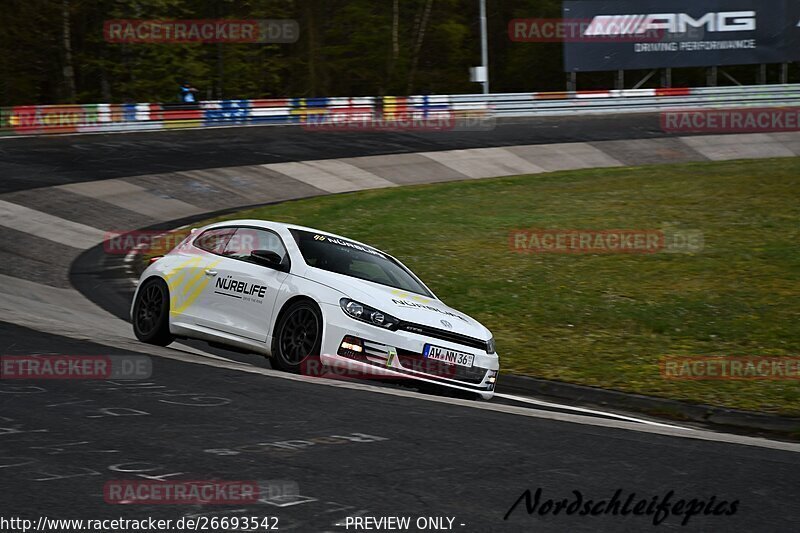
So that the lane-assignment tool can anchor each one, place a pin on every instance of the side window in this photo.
(214, 240)
(248, 239)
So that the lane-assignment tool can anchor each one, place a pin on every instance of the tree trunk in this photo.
(423, 26)
(69, 70)
(220, 72)
(313, 82)
(395, 29)
(105, 87)
(395, 55)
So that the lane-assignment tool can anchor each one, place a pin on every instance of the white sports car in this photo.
(297, 295)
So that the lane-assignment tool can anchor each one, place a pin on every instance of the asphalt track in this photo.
(347, 449)
(61, 441)
(26, 163)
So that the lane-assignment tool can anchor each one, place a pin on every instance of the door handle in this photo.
(210, 272)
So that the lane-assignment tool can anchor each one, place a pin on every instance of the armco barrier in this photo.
(104, 118)
(644, 100)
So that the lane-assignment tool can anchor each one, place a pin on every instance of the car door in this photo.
(242, 298)
(189, 278)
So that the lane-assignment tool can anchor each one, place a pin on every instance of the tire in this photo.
(298, 338)
(151, 313)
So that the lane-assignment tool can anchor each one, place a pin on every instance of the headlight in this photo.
(368, 314)
(491, 347)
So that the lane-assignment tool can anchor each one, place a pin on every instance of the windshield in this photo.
(356, 260)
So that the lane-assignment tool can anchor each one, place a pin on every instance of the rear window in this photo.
(214, 240)
(246, 240)
(356, 260)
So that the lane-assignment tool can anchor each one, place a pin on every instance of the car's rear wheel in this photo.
(298, 340)
(151, 313)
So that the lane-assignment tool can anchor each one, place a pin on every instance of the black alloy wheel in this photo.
(299, 337)
(151, 313)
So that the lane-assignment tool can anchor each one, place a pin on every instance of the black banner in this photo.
(643, 34)
(793, 29)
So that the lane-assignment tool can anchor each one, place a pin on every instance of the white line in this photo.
(668, 431)
(195, 351)
(533, 401)
(45, 312)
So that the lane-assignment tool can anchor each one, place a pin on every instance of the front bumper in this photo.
(378, 356)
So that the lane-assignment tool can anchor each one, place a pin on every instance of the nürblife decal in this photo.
(243, 290)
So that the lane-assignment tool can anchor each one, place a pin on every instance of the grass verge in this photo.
(604, 319)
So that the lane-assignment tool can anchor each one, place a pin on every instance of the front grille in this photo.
(444, 335)
(419, 363)
(440, 369)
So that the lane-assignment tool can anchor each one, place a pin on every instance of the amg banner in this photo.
(793, 29)
(643, 34)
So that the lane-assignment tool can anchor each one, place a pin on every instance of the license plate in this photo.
(445, 355)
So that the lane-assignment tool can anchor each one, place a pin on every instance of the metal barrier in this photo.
(644, 100)
(371, 111)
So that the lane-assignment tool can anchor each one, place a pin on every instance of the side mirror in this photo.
(268, 258)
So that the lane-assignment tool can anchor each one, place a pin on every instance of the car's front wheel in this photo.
(298, 338)
(151, 313)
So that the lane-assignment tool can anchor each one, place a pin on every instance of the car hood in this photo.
(406, 306)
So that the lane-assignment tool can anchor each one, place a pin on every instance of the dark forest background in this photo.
(53, 51)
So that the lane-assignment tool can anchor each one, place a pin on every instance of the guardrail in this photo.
(106, 118)
(645, 100)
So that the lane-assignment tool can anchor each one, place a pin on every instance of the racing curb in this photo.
(661, 407)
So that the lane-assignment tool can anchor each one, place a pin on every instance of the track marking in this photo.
(524, 399)
(122, 193)
(50, 227)
(351, 173)
(314, 176)
(479, 163)
(669, 431)
(43, 314)
(196, 351)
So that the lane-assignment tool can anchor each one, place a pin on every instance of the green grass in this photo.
(604, 320)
